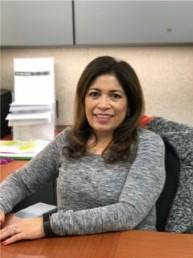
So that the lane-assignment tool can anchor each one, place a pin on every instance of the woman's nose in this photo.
(103, 102)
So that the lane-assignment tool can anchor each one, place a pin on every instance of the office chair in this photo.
(46, 194)
(164, 202)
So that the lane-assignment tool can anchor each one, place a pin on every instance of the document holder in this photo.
(32, 114)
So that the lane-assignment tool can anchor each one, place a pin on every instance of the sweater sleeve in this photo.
(41, 169)
(142, 188)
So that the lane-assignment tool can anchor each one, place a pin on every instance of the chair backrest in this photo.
(45, 193)
(163, 205)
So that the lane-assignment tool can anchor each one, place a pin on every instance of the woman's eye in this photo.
(93, 94)
(116, 96)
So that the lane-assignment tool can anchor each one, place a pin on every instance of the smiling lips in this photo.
(103, 118)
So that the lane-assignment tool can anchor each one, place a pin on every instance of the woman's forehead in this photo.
(106, 81)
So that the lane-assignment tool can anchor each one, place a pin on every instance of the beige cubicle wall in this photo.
(165, 72)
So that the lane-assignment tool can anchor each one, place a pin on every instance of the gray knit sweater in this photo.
(93, 196)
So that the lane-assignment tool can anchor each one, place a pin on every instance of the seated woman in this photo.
(109, 171)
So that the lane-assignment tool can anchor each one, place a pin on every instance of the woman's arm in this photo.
(140, 192)
(40, 170)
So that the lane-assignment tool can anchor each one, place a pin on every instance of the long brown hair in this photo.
(124, 142)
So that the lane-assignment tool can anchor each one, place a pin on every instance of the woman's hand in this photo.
(2, 218)
(22, 229)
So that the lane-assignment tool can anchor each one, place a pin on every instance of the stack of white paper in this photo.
(29, 114)
(32, 114)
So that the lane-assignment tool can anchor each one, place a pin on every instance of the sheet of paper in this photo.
(23, 108)
(35, 210)
(34, 80)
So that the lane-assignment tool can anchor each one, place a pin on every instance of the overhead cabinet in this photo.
(133, 22)
(92, 22)
(36, 23)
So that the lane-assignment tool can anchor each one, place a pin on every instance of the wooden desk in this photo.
(127, 244)
(130, 244)
(10, 167)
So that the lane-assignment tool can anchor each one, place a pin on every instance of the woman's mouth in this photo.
(103, 118)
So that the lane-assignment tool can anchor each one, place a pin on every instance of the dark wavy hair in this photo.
(124, 143)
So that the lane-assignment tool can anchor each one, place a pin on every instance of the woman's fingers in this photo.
(13, 239)
(7, 232)
(10, 234)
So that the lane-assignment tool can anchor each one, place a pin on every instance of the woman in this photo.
(109, 171)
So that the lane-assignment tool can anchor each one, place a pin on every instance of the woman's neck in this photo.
(99, 146)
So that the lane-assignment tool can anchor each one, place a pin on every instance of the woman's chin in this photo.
(103, 129)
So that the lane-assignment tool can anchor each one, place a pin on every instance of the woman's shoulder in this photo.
(151, 148)
(63, 137)
(150, 136)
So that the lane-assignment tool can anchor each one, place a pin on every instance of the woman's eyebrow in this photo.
(94, 89)
(111, 91)
(117, 91)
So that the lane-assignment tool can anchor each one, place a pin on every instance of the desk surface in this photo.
(127, 244)
(130, 244)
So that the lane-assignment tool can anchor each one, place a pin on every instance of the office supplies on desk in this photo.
(5, 160)
(21, 149)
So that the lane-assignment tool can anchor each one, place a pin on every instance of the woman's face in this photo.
(105, 104)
